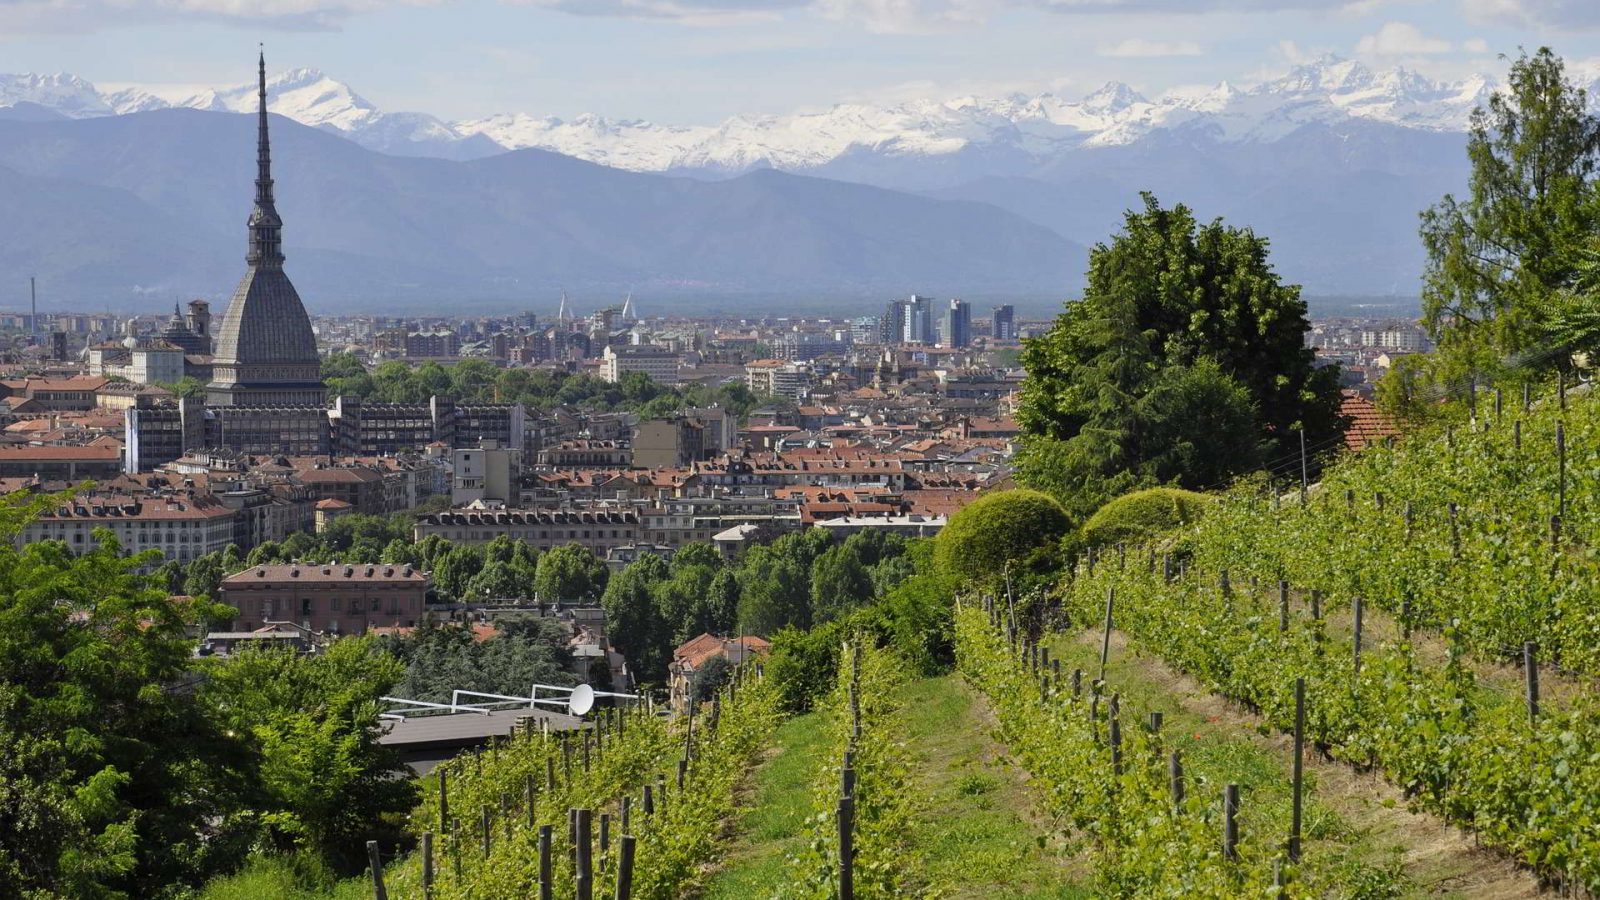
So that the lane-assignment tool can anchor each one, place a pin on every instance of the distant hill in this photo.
(152, 204)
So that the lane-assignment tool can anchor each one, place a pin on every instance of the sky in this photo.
(699, 61)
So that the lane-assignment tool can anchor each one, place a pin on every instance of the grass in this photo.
(772, 824)
(279, 877)
(973, 833)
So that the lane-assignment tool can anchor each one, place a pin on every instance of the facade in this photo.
(160, 432)
(1003, 323)
(432, 344)
(266, 352)
(955, 324)
(269, 430)
(543, 529)
(659, 363)
(332, 598)
(150, 362)
(487, 474)
(778, 378)
(181, 527)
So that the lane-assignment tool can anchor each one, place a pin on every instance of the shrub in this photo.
(996, 529)
(1142, 514)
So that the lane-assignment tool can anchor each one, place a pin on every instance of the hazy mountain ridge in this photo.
(154, 203)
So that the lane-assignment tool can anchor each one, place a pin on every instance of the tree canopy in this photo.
(1185, 361)
(1501, 258)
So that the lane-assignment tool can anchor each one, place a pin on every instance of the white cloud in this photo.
(1401, 39)
(42, 16)
(1551, 14)
(1140, 48)
(1475, 45)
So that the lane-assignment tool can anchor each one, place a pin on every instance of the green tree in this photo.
(774, 588)
(633, 621)
(1142, 514)
(1499, 258)
(322, 781)
(497, 580)
(1108, 403)
(570, 572)
(113, 784)
(839, 582)
(454, 569)
(999, 529)
(709, 678)
(203, 575)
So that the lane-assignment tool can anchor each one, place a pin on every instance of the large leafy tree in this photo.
(570, 572)
(635, 623)
(1499, 258)
(322, 781)
(1184, 361)
(112, 782)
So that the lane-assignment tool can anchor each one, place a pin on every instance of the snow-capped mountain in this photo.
(1328, 92)
(1331, 159)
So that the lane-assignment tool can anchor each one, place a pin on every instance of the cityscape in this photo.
(1189, 581)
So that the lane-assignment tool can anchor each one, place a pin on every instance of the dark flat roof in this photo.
(465, 729)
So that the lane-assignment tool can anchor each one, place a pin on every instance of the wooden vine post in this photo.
(374, 858)
(1230, 821)
(1530, 666)
(1298, 776)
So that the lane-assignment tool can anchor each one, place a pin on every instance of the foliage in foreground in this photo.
(674, 842)
(885, 865)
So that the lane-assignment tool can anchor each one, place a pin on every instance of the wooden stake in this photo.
(1230, 821)
(1298, 776)
(625, 868)
(375, 859)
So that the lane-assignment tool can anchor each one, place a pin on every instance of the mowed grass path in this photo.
(974, 835)
(977, 835)
(771, 822)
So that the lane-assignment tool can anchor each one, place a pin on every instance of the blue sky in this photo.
(695, 61)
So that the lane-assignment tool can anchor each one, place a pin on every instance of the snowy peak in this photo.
(1328, 91)
(66, 94)
(1115, 97)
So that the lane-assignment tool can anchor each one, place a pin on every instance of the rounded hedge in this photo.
(1143, 514)
(1000, 527)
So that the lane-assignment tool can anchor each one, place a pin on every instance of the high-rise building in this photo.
(266, 352)
(955, 324)
(1003, 323)
(918, 321)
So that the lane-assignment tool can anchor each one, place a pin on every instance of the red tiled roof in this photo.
(1368, 426)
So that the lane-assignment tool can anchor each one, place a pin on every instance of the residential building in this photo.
(694, 654)
(659, 363)
(488, 473)
(331, 598)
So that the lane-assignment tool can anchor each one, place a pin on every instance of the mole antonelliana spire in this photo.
(266, 352)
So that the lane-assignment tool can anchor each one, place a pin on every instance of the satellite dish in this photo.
(581, 700)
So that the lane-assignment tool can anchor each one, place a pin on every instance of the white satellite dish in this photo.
(581, 700)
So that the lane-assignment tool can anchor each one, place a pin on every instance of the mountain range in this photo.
(1332, 161)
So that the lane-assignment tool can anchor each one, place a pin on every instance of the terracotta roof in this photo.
(323, 573)
(85, 454)
(697, 650)
(1368, 426)
(331, 503)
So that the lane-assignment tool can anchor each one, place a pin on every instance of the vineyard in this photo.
(1379, 687)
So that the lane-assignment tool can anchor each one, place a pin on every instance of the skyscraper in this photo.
(1003, 323)
(266, 352)
(955, 324)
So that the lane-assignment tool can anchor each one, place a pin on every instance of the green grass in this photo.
(772, 825)
(284, 878)
(972, 833)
